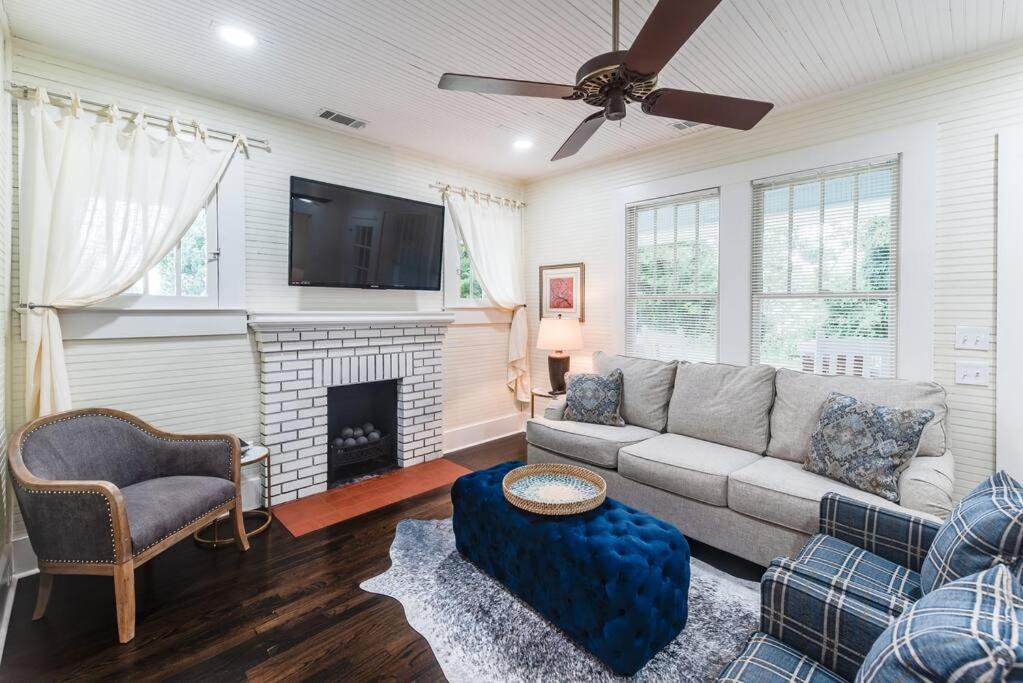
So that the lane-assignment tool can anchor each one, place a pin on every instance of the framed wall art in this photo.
(562, 291)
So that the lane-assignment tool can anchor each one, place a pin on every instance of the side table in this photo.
(542, 393)
(210, 536)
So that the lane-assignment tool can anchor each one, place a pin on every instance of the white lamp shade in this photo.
(559, 334)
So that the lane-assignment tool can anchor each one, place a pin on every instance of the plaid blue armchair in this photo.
(822, 610)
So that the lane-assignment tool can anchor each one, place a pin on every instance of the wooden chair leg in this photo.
(124, 598)
(239, 526)
(43, 596)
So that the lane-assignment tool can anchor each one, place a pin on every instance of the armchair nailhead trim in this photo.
(159, 540)
(110, 521)
(230, 468)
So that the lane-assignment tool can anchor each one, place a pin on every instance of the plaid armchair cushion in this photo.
(890, 603)
(895, 536)
(766, 660)
(985, 528)
(845, 562)
(968, 631)
(824, 622)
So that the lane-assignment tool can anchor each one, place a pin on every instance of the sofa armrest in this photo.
(208, 455)
(899, 537)
(926, 485)
(890, 603)
(555, 410)
(74, 522)
(824, 623)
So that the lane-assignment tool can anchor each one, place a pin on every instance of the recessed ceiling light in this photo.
(238, 37)
(522, 143)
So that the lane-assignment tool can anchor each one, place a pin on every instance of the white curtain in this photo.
(492, 234)
(101, 204)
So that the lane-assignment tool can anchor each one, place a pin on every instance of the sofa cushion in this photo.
(799, 397)
(726, 404)
(681, 464)
(865, 445)
(596, 399)
(159, 507)
(768, 660)
(646, 387)
(984, 529)
(966, 631)
(594, 444)
(783, 493)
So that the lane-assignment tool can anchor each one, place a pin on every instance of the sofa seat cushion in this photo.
(783, 493)
(159, 507)
(594, 444)
(842, 560)
(690, 467)
(768, 660)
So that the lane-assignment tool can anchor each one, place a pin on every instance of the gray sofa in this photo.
(717, 450)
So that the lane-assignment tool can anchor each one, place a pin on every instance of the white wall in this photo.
(211, 383)
(573, 217)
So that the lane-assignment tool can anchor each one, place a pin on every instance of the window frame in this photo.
(452, 272)
(760, 187)
(695, 197)
(211, 300)
(915, 317)
(224, 315)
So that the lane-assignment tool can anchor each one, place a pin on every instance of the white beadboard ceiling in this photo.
(380, 61)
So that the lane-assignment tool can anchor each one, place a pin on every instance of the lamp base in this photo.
(557, 367)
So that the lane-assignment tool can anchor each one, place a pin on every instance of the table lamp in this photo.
(558, 335)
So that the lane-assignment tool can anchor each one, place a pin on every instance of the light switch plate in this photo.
(972, 372)
(974, 338)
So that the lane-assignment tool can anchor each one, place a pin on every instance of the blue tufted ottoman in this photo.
(615, 579)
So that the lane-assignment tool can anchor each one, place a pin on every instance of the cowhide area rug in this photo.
(480, 632)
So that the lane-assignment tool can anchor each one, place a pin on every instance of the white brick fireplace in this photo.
(302, 355)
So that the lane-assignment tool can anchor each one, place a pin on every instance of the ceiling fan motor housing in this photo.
(602, 81)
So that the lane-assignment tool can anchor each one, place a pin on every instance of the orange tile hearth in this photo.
(310, 514)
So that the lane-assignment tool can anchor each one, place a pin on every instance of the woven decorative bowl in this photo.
(554, 489)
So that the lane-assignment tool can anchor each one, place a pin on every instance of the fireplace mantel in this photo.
(327, 320)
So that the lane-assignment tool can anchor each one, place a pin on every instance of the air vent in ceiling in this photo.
(683, 125)
(343, 119)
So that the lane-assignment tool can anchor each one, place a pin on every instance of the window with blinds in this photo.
(825, 249)
(672, 277)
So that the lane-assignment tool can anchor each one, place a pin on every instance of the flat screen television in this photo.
(343, 237)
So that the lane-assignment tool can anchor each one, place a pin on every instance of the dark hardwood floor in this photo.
(289, 609)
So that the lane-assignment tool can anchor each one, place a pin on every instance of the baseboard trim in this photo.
(480, 432)
(6, 564)
(23, 558)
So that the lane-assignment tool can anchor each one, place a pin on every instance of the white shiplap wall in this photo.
(211, 383)
(571, 217)
(6, 502)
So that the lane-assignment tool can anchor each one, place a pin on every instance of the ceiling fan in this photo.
(615, 78)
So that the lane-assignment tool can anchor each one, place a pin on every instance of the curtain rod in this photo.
(26, 91)
(466, 191)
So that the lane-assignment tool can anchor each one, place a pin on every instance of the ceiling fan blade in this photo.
(505, 86)
(666, 29)
(699, 107)
(583, 132)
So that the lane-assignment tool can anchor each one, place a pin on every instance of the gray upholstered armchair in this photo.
(102, 492)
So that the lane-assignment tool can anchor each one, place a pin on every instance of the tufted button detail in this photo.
(615, 578)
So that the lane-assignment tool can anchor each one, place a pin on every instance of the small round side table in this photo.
(544, 393)
(210, 536)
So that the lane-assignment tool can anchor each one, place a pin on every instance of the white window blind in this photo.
(825, 249)
(672, 277)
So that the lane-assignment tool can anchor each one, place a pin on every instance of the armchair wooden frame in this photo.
(124, 563)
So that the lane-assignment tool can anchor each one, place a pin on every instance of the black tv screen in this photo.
(342, 237)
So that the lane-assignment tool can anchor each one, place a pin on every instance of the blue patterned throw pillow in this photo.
(985, 528)
(967, 631)
(865, 445)
(596, 399)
